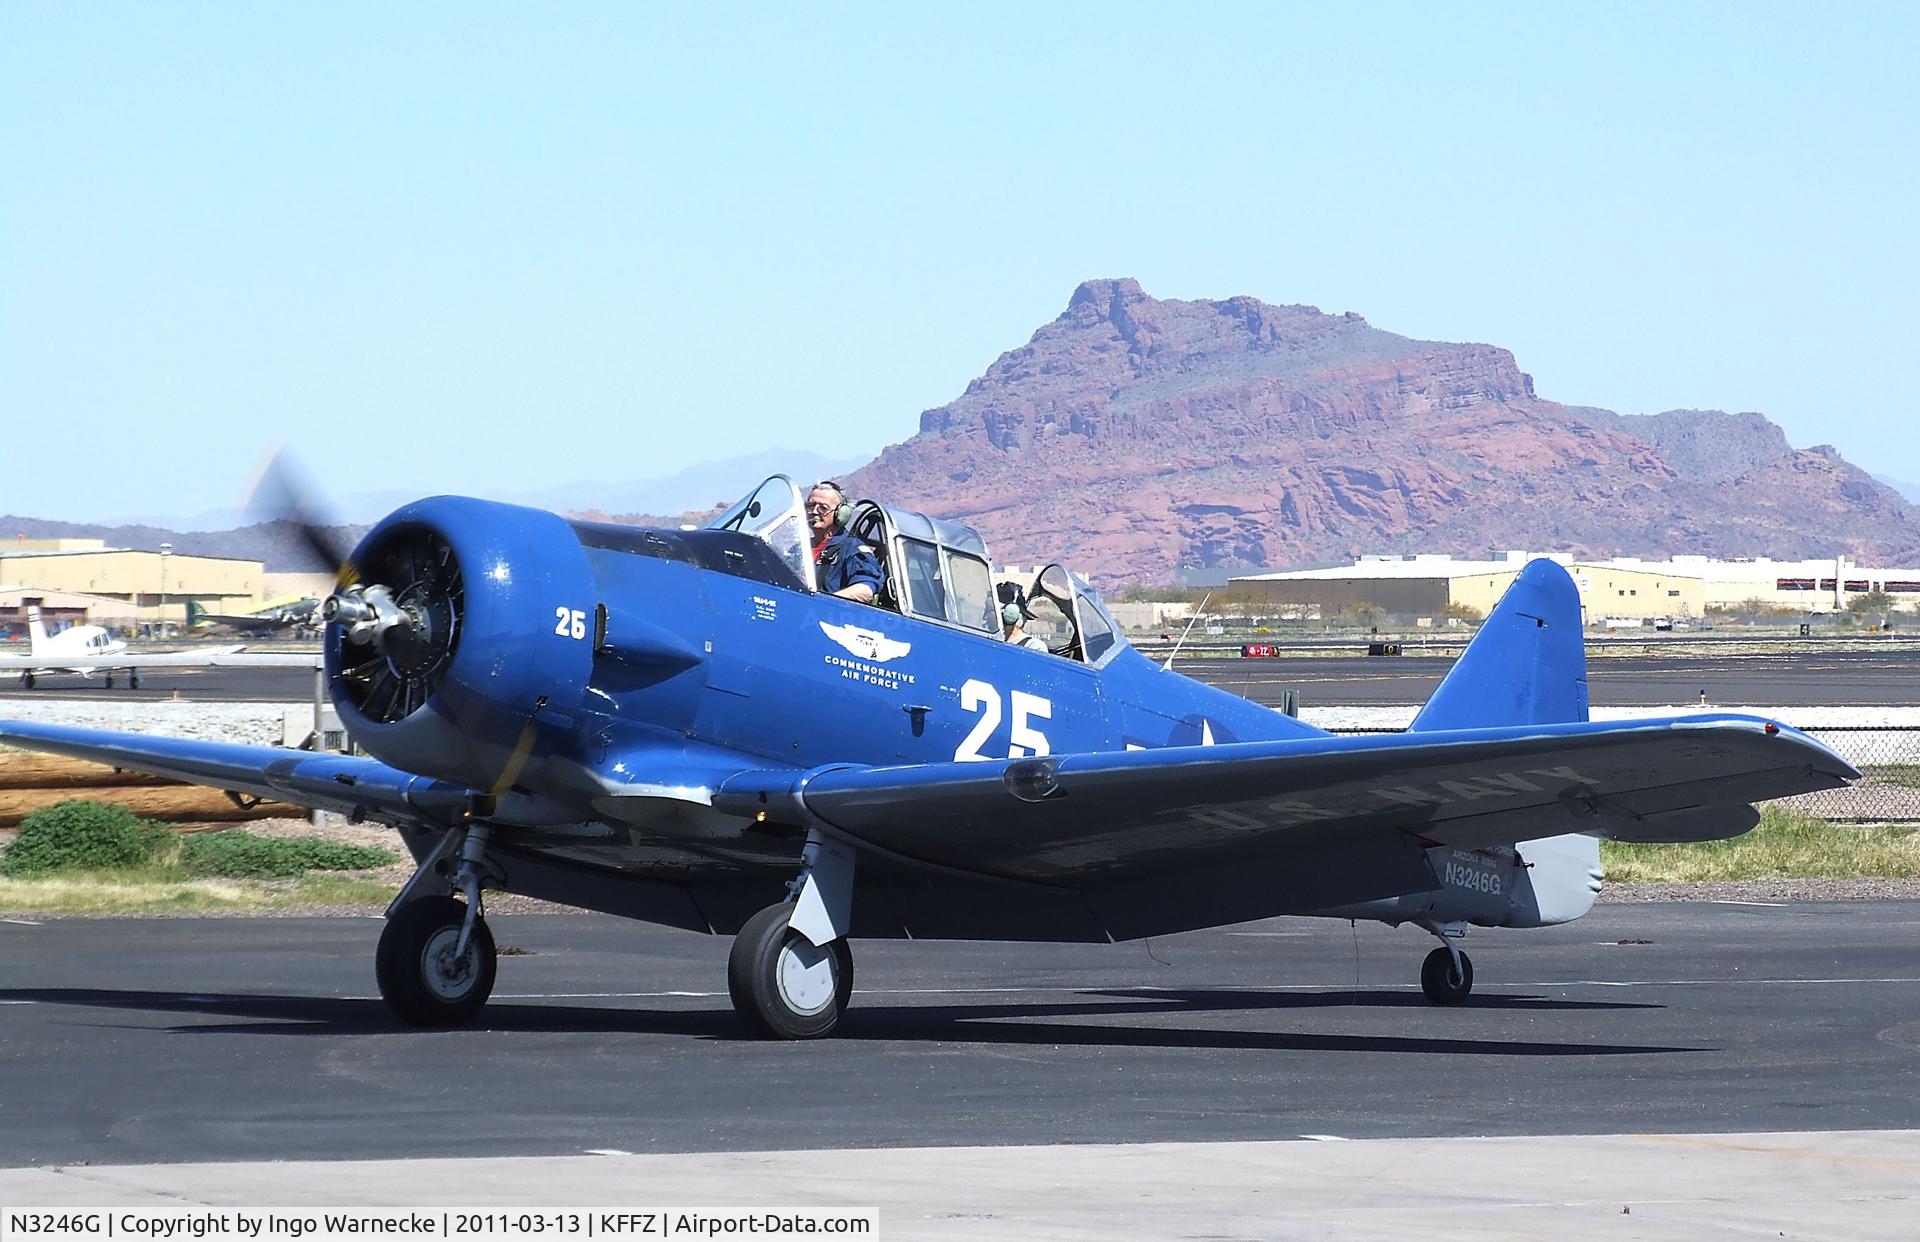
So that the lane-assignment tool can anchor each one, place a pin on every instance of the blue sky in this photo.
(496, 247)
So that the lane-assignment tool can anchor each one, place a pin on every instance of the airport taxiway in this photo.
(168, 1040)
(1870, 677)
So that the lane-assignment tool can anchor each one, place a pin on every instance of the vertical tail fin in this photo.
(36, 630)
(1527, 665)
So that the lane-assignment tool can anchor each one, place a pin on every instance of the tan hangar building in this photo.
(1428, 585)
(135, 578)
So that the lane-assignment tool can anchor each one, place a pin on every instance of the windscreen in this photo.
(774, 513)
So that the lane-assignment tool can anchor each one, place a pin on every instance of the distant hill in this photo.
(664, 500)
(696, 488)
(1135, 437)
(1139, 439)
(276, 543)
(1909, 490)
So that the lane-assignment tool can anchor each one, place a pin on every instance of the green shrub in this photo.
(77, 835)
(243, 856)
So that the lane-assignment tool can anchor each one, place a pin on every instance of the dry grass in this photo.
(166, 890)
(1785, 844)
(164, 887)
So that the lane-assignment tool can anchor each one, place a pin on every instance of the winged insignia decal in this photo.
(867, 644)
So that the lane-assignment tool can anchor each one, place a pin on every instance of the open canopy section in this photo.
(1071, 617)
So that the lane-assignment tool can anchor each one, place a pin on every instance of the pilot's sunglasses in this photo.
(821, 508)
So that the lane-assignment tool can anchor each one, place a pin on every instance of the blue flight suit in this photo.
(846, 561)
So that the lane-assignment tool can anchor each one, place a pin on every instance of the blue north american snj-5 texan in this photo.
(676, 725)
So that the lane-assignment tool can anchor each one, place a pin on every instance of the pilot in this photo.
(1013, 611)
(845, 566)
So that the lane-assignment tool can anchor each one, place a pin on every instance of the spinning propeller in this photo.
(399, 609)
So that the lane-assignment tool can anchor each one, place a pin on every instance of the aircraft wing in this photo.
(242, 621)
(344, 783)
(1196, 835)
(225, 657)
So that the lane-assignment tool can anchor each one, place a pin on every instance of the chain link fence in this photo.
(1888, 790)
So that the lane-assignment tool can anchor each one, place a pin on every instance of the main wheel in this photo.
(133, 680)
(420, 978)
(26, 681)
(109, 681)
(1443, 984)
(783, 983)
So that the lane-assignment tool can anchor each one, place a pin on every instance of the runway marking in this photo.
(1175, 992)
(1771, 905)
(1327, 1138)
(1681, 1140)
(607, 1151)
(22, 922)
(18, 1002)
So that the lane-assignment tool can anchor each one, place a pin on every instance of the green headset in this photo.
(1013, 606)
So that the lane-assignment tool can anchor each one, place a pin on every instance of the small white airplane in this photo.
(87, 649)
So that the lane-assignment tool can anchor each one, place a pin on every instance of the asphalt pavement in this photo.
(166, 1040)
(1866, 678)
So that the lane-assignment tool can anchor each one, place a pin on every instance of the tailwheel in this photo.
(784, 984)
(424, 977)
(1443, 981)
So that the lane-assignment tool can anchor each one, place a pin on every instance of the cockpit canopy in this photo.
(936, 570)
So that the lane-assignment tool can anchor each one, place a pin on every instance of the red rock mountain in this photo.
(1133, 437)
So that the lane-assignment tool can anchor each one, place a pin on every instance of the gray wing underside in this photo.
(1197, 836)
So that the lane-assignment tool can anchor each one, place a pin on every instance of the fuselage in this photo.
(585, 659)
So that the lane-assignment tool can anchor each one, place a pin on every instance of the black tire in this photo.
(133, 681)
(109, 681)
(418, 978)
(1442, 984)
(26, 681)
(774, 978)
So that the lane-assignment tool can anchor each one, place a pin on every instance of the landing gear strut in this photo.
(26, 681)
(436, 960)
(790, 973)
(1447, 974)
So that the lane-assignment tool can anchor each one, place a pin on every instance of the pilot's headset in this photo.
(844, 512)
(1013, 603)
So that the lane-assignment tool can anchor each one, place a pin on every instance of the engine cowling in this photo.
(468, 630)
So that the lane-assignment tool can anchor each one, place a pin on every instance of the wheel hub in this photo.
(447, 976)
(805, 975)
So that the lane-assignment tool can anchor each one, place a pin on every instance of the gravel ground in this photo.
(1865, 888)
